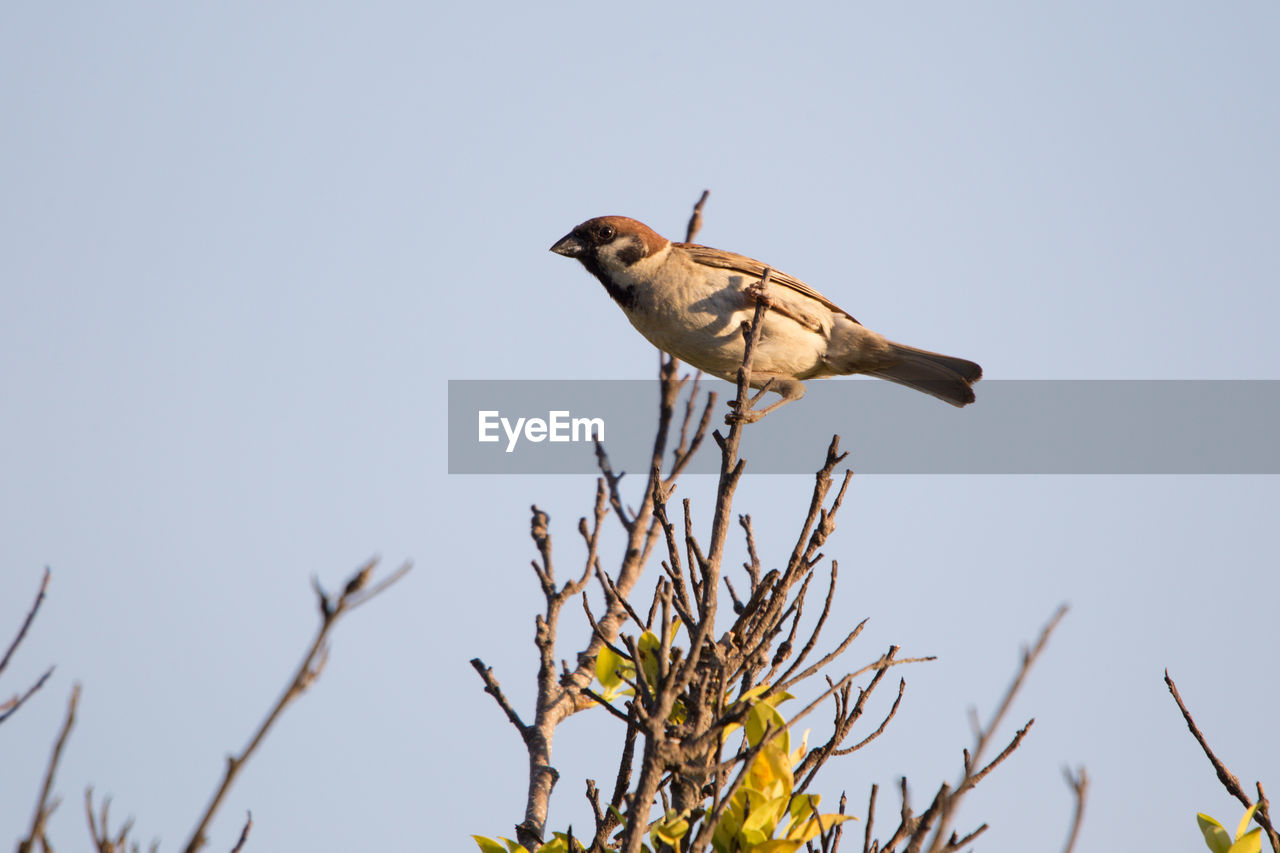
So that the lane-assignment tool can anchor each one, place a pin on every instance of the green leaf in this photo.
(669, 831)
(608, 663)
(764, 816)
(564, 836)
(770, 772)
(1214, 835)
(754, 692)
(555, 845)
(801, 809)
(488, 845)
(781, 846)
(1250, 842)
(726, 830)
(761, 716)
(1244, 821)
(649, 647)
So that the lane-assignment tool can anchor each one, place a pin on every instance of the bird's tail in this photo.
(946, 377)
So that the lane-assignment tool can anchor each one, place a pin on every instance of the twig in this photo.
(1228, 779)
(983, 735)
(26, 623)
(695, 220)
(244, 833)
(492, 687)
(1079, 785)
(11, 707)
(871, 819)
(354, 594)
(43, 805)
(902, 686)
(956, 843)
(8, 709)
(972, 780)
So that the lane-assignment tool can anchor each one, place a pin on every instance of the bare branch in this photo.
(244, 833)
(753, 560)
(26, 623)
(973, 779)
(983, 735)
(44, 806)
(1079, 784)
(695, 221)
(8, 709)
(871, 819)
(353, 595)
(494, 689)
(902, 686)
(1228, 779)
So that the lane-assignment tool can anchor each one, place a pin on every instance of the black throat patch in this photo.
(624, 296)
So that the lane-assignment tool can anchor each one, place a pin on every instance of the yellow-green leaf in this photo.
(650, 647)
(608, 663)
(555, 845)
(649, 642)
(763, 716)
(488, 845)
(1244, 821)
(564, 836)
(754, 692)
(1250, 842)
(765, 815)
(1214, 835)
(780, 846)
(820, 824)
(670, 830)
(725, 832)
(802, 808)
(770, 773)
(798, 755)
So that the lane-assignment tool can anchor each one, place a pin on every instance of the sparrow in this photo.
(691, 301)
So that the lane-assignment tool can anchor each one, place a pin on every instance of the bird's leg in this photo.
(789, 389)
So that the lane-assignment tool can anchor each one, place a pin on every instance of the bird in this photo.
(691, 301)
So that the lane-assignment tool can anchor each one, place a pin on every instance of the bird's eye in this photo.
(605, 233)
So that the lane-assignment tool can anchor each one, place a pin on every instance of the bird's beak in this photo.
(569, 246)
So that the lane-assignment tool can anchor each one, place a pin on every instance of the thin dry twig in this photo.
(44, 805)
(949, 801)
(355, 592)
(494, 689)
(1228, 779)
(100, 827)
(1078, 782)
(244, 833)
(11, 707)
(26, 623)
(695, 220)
(8, 709)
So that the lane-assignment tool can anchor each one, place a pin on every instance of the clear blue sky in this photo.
(243, 247)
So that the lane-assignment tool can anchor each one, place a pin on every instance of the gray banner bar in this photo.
(1015, 427)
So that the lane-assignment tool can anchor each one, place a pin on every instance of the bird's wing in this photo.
(720, 259)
